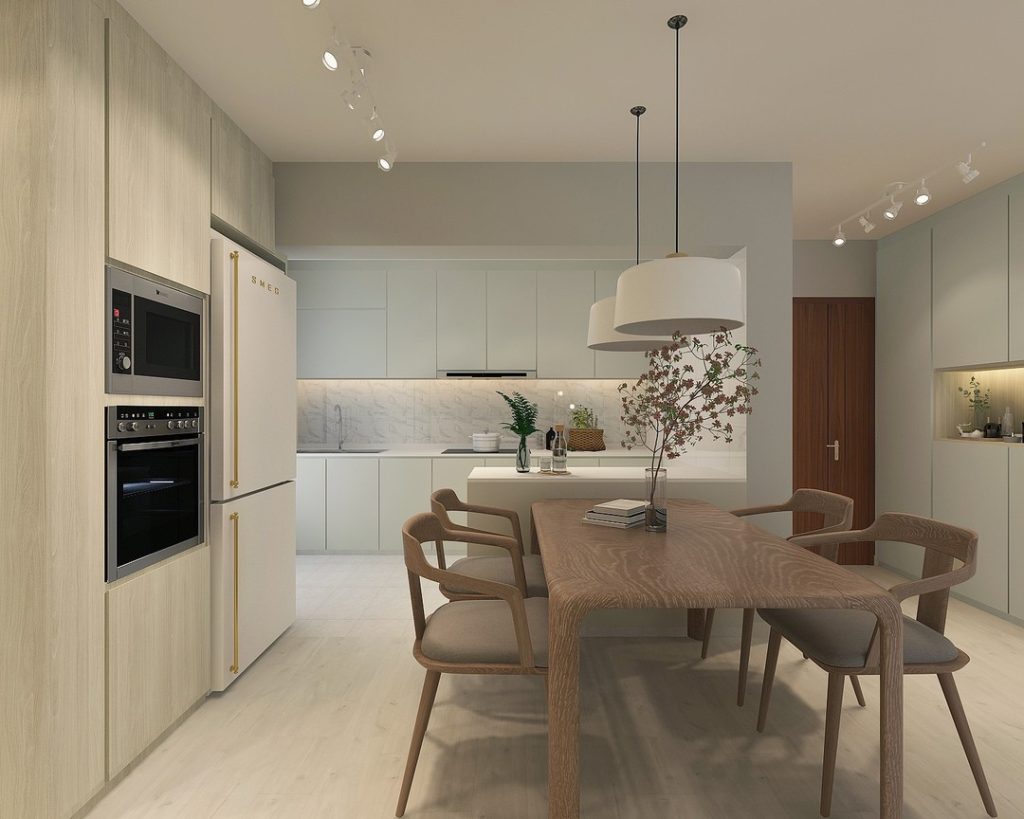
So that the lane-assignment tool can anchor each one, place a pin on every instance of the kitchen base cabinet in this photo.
(352, 503)
(969, 489)
(311, 504)
(1015, 588)
(158, 652)
(404, 491)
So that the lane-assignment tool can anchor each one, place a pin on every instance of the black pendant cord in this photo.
(638, 111)
(677, 22)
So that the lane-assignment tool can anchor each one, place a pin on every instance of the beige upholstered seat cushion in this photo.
(481, 631)
(499, 568)
(841, 637)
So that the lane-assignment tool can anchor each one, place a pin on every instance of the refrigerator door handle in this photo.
(234, 655)
(234, 370)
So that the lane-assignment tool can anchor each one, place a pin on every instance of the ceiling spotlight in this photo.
(377, 135)
(967, 173)
(387, 160)
(892, 210)
(866, 223)
(311, 4)
(922, 197)
(330, 61)
(840, 238)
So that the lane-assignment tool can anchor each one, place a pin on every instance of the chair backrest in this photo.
(427, 527)
(443, 501)
(837, 511)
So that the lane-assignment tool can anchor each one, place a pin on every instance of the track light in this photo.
(377, 135)
(311, 4)
(840, 238)
(329, 60)
(892, 210)
(387, 159)
(967, 173)
(922, 197)
(866, 223)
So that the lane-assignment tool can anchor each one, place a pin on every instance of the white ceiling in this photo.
(855, 94)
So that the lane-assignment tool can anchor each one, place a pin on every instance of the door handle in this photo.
(234, 603)
(234, 370)
(835, 448)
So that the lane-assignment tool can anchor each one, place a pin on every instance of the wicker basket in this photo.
(585, 440)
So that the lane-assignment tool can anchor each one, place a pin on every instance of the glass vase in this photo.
(523, 455)
(656, 513)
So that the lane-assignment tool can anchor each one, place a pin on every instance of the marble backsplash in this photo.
(424, 411)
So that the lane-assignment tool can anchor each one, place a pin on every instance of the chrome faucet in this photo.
(341, 438)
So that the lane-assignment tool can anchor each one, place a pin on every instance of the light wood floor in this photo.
(319, 727)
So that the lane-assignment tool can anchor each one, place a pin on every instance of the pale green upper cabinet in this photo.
(1017, 271)
(564, 298)
(158, 181)
(970, 280)
(461, 320)
(242, 181)
(412, 324)
(512, 320)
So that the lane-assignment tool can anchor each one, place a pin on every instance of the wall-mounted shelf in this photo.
(1006, 383)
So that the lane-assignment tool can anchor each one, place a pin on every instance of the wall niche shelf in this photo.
(1006, 385)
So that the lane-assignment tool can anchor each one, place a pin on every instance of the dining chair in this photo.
(844, 642)
(524, 571)
(500, 632)
(837, 511)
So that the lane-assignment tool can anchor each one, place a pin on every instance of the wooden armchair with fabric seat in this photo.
(844, 642)
(500, 631)
(518, 569)
(837, 511)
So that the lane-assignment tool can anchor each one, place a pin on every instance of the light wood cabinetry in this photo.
(342, 343)
(411, 324)
(310, 504)
(158, 652)
(242, 181)
(158, 182)
(969, 489)
(970, 281)
(352, 504)
(614, 365)
(1015, 558)
(903, 345)
(511, 320)
(404, 491)
(1016, 266)
(563, 315)
(461, 320)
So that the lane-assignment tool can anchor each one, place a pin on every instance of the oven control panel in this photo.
(121, 331)
(153, 422)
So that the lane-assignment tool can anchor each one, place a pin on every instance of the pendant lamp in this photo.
(691, 295)
(601, 332)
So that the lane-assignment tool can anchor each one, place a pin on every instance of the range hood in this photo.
(486, 373)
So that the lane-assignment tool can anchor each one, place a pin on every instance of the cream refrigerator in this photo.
(252, 433)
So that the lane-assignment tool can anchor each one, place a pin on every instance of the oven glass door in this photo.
(156, 503)
(167, 341)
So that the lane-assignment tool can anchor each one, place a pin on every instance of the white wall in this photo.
(821, 270)
(571, 210)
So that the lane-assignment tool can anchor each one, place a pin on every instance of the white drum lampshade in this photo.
(692, 295)
(602, 335)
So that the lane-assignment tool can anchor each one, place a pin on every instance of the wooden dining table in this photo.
(707, 559)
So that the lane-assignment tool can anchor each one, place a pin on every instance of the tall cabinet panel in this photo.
(512, 320)
(563, 312)
(461, 320)
(970, 280)
(158, 183)
(412, 324)
(903, 349)
(970, 490)
(1016, 263)
(1015, 590)
(242, 182)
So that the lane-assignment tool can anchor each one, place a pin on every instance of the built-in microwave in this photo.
(154, 337)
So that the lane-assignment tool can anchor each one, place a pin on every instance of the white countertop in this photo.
(705, 469)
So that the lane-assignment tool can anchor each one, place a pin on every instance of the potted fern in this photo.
(524, 422)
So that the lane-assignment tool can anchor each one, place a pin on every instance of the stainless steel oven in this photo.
(155, 496)
(154, 337)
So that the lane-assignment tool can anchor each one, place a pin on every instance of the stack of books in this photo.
(619, 514)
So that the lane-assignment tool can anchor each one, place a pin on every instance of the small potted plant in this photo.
(524, 422)
(978, 402)
(584, 433)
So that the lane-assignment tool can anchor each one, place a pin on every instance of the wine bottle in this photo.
(549, 439)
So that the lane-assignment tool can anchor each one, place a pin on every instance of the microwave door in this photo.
(167, 341)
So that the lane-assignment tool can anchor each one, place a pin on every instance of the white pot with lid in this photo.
(486, 441)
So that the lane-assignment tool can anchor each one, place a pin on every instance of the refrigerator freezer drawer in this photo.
(252, 543)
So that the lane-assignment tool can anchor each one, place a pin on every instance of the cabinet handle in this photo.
(835, 449)
(234, 663)
(234, 368)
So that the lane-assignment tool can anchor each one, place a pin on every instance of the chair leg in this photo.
(858, 691)
(709, 618)
(419, 730)
(748, 631)
(956, 708)
(833, 712)
(771, 661)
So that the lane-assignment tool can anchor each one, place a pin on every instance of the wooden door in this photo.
(834, 402)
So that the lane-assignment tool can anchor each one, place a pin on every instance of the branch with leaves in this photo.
(524, 414)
